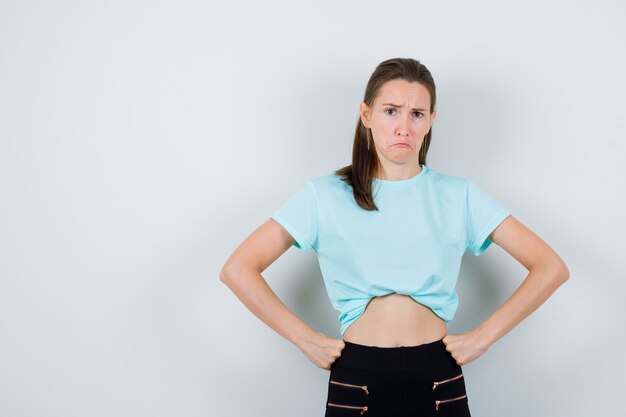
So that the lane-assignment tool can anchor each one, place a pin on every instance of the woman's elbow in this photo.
(559, 269)
(228, 272)
(551, 266)
(224, 273)
(563, 271)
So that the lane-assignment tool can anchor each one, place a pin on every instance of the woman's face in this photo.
(399, 118)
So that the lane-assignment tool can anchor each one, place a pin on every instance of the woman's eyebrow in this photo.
(397, 105)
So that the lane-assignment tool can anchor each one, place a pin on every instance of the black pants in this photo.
(406, 381)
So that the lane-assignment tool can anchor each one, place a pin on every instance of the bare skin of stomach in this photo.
(396, 320)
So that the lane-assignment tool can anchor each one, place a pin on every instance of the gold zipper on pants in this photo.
(446, 380)
(363, 408)
(437, 402)
(363, 387)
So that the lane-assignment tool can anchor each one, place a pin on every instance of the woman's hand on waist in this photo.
(465, 347)
(321, 349)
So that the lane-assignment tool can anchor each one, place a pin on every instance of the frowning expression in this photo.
(399, 118)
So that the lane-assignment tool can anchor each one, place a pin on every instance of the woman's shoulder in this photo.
(328, 180)
(442, 179)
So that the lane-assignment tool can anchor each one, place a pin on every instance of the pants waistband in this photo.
(407, 358)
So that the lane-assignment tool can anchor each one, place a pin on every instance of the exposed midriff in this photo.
(395, 320)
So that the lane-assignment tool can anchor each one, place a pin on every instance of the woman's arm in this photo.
(547, 272)
(242, 274)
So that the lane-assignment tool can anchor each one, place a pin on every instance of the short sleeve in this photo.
(298, 216)
(483, 213)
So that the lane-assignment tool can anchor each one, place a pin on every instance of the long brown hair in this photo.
(360, 173)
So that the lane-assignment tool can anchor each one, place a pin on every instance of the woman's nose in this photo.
(403, 127)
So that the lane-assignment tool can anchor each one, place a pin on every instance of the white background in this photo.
(142, 141)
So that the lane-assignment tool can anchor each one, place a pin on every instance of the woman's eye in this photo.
(390, 111)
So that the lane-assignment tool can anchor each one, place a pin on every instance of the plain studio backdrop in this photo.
(142, 141)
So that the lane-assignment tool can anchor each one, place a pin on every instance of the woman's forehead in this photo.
(402, 92)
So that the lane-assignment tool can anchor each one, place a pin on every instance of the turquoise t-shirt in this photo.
(413, 245)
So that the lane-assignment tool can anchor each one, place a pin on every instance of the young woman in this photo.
(389, 233)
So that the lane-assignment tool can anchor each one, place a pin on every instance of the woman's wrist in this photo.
(485, 336)
(304, 335)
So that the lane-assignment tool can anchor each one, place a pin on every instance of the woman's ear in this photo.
(364, 111)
